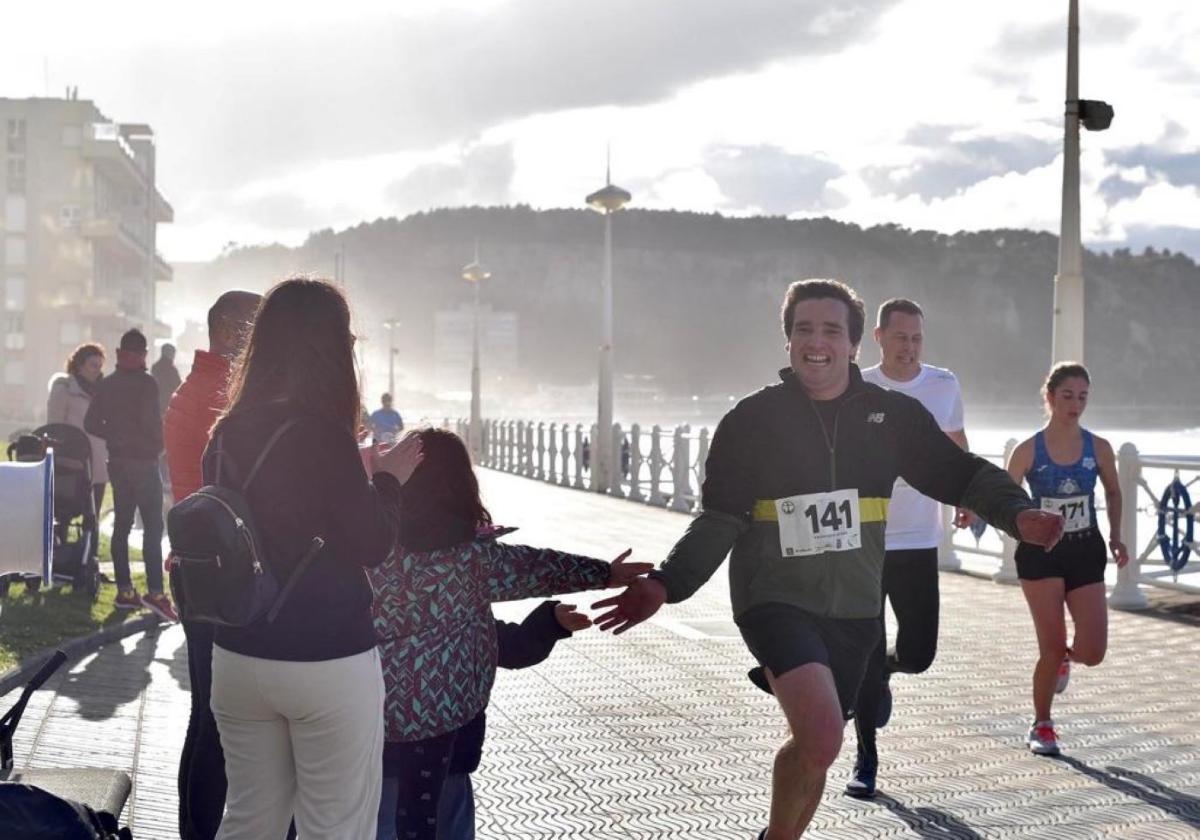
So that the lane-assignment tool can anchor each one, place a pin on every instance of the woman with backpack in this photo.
(298, 694)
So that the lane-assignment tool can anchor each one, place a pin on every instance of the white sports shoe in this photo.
(1042, 738)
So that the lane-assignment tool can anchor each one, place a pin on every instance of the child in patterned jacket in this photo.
(433, 618)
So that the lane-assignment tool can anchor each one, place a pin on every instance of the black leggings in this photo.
(420, 768)
(910, 581)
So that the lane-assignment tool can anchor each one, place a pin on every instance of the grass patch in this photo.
(33, 621)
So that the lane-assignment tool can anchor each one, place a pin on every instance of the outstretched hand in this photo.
(622, 573)
(640, 600)
(400, 459)
(1040, 527)
(570, 619)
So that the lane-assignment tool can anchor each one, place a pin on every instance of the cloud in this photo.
(1140, 237)
(1180, 169)
(1095, 28)
(772, 180)
(945, 166)
(260, 102)
(482, 175)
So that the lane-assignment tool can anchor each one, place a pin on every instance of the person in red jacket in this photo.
(190, 416)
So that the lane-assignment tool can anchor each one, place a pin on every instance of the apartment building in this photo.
(77, 240)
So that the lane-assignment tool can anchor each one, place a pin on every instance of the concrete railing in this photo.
(665, 468)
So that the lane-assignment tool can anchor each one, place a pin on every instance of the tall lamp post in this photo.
(1068, 282)
(391, 325)
(607, 200)
(474, 273)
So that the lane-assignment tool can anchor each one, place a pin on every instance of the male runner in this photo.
(798, 480)
(914, 529)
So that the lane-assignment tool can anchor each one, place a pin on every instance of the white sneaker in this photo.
(1042, 738)
(1064, 676)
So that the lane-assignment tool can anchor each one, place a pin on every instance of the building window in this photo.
(14, 250)
(69, 215)
(14, 373)
(14, 293)
(16, 175)
(14, 213)
(14, 331)
(16, 137)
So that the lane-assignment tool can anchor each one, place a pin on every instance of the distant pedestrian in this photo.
(70, 395)
(125, 413)
(166, 376)
(194, 407)
(386, 422)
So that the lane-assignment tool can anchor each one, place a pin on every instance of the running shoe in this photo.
(127, 599)
(1042, 738)
(884, 712)
(159, 604)
(862, 784)
(1064, 676)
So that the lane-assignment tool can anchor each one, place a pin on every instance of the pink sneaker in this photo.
(159, 604)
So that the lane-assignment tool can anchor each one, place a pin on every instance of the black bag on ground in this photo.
(30, 813)
(221, 573)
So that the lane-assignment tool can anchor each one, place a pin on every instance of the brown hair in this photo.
(80, 355)
(300, 349)
(1062, 371)
(908, 307)
(819, 288)
(440, 504)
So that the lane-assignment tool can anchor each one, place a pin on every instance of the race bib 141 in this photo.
(814, 523)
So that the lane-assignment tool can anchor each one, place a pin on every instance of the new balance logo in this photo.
(876, 417)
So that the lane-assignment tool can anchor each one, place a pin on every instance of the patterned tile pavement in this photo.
(657, 734)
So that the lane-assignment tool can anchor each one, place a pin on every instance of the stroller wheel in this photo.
(93, 580)
(33, 584)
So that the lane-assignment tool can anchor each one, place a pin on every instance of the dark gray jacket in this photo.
(125, 414)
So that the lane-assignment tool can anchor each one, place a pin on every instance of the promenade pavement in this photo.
(658, 733)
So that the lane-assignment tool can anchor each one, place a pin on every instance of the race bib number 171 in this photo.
(815, 523)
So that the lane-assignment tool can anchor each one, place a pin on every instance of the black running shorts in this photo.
(1079, 559)
(783, 637)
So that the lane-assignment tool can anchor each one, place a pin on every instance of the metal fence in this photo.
(665, 467)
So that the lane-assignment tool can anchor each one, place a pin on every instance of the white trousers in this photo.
(302, 738)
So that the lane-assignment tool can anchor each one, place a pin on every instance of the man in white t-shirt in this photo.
(914, 529)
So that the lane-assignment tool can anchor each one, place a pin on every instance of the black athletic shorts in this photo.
(783, 637)
(1079, 559)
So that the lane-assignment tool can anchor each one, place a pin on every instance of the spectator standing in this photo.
(191, 413)
(298, 698)
(124, 412)
(70, 395)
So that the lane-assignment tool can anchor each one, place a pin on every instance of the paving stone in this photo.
(658, 734)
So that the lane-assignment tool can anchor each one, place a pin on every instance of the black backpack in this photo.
(221, 573)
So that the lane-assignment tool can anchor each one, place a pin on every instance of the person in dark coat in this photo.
(125, 413)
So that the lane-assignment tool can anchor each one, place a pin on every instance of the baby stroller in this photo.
(63, 803)
(76, 532)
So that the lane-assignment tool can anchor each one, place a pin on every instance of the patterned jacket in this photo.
(437, 636)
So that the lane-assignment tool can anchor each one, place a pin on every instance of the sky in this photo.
(276, 119)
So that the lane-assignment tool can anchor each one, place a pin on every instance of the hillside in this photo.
(697, 296)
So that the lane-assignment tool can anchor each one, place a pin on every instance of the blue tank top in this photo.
(1066, 489)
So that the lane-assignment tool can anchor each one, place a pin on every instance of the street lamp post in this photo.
(1068, 282)
(391, 325)
(607, 200)
(474, 273)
